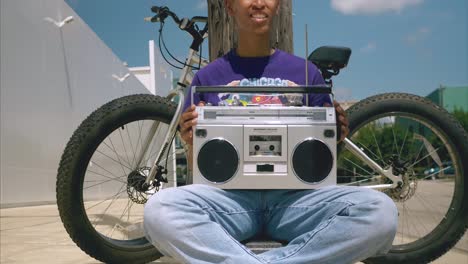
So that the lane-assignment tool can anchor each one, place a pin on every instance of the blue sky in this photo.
(398, 45)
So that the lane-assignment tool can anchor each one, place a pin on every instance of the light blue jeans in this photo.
(202, 224)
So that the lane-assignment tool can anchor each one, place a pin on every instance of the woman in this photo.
(203, 224)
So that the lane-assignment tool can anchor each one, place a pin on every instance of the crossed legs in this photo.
(203, 224)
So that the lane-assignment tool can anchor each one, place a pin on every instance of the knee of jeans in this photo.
(384, 215)
(161, 214)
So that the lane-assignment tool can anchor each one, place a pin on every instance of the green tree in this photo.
(462, 117)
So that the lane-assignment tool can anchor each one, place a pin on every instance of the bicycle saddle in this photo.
(330, 58)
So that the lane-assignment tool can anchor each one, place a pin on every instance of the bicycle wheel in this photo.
(428, 148)
(100, 191)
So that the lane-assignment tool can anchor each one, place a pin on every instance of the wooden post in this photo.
(221, 29)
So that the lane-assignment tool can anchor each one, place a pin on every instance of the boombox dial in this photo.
(312, 161)
(218, 160)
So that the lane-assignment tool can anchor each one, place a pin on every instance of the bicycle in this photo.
(124, 152)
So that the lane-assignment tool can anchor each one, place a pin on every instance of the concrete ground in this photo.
(36, 235)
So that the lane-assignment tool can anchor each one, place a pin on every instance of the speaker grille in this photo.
(218, 160)
(312, 161)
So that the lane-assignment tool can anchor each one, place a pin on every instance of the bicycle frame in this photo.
(185, 80)
(396, 180)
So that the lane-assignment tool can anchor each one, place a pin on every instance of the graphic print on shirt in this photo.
(248, 99)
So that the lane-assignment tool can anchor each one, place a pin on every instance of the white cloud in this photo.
(370, 47)
(354, 7)
(418, 36)
(202, 5)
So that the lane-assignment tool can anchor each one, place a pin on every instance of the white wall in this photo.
(160, 71)
(143, 74)
(157, 77)
(51, 79)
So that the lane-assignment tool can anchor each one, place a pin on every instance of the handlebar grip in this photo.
(155, 9)
(201, 19)
(161, 10)
(152, 19)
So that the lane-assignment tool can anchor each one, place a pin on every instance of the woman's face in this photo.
(253, 16)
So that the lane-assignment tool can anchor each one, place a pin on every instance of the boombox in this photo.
(264, 147)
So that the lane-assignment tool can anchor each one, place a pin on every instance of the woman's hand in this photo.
(342, 122)
(188, 119)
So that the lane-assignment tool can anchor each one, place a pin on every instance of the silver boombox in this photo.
(264, 147)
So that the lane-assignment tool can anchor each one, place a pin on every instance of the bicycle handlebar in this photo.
(184, 24)
(162, 12)
(315, 89)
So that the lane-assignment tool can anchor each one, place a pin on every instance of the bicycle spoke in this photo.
(413, 219)
(406, 210)
(108, 206)
(172, 155)
(128, 212)
(138, 142)
(117, 194)
(130, 143)
(395, 143)
(410, 147)
(412, 165)
(403, 144)
(101, 182)
(116, 154)
(378, 148)
(350, 161)
(352, 172)
(370, 151)
(421, 224)
(369, 177)
(111, 178)
(351, 183)
(119, 224)
(432, 174)
(131, 146)
(152, 154)
(439, 204)
(404, 222)
(105, 155)
(428, 207)
(125, 148)
(419, 152)
(101, 167)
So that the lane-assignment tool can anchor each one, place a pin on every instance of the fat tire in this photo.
(74, 160)
(446, 236)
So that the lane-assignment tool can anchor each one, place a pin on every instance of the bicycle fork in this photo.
(172, 130)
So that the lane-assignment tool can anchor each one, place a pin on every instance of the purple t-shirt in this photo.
(278, 69)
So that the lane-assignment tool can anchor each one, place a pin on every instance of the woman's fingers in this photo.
(188, 119)
(233, 83)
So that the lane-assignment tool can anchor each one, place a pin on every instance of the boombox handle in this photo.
(310, 89)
